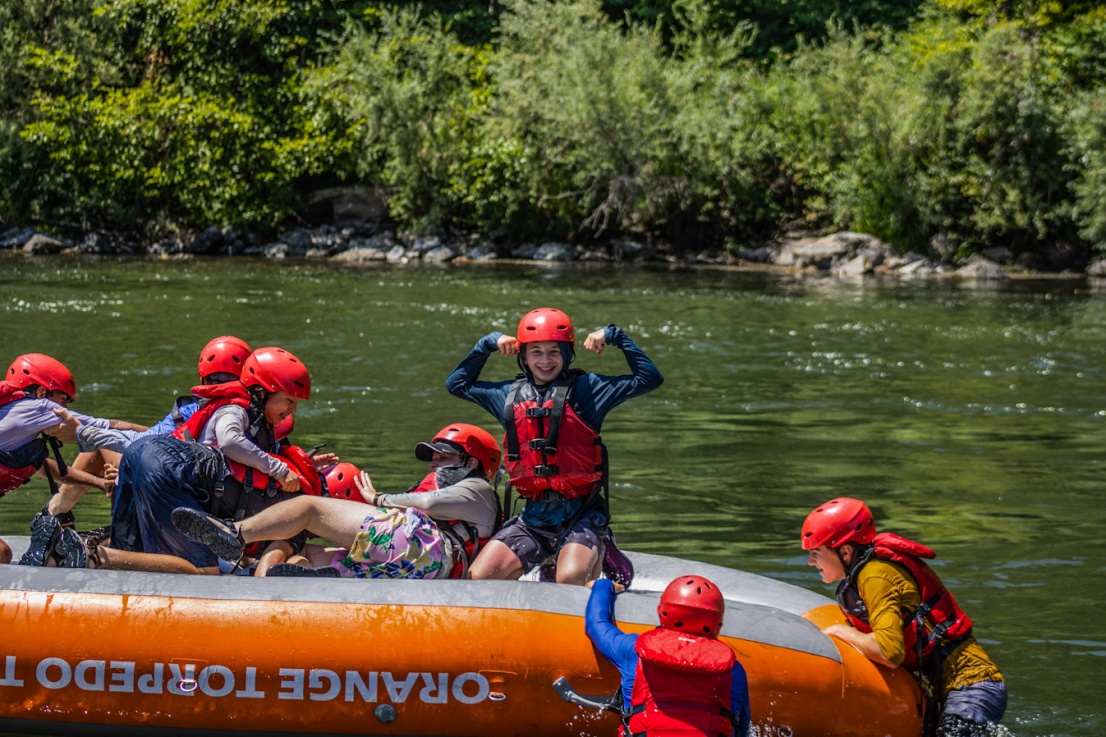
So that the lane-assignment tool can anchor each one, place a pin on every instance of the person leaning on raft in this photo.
(883, 584)
(429, 532)
(32, 392)
(220, 361)
(235, 470)
(552, 416)
(677, 679)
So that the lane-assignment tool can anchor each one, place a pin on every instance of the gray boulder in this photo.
(42, 245)
(439, 255)
(979, 267)
(16, 237)
(823, 252)
(555, 251)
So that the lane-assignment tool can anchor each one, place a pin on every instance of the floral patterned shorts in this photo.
(395, 543)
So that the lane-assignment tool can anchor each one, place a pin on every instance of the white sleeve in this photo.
(469, 501)
(227, 431)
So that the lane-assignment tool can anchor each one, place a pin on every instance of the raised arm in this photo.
(463, 382)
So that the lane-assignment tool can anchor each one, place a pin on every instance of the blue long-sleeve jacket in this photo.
(592, 397)
(618, 647)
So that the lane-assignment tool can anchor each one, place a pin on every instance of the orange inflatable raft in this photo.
(117, 653)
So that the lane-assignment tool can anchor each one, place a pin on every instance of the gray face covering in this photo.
(450, 475)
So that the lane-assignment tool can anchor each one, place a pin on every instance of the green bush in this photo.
(411, 97)
(1087, 131)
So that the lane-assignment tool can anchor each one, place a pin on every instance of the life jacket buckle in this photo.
(544, 470)
(543, 445)
(532, 412)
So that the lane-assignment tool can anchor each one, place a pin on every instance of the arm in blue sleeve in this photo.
(602, 393)
(462, 383)
(739, 700)
(611, 642)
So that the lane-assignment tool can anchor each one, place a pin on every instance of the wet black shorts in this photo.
(533, 544)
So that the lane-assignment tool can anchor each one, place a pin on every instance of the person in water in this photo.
(220, 361)
(236, 468)
(884, 581)
(552, 416)
(429, 532)
(677, 678)
(32, 392)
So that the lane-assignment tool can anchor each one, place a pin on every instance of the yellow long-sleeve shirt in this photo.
(887, 590)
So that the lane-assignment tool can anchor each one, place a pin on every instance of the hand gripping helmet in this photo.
(839, 521)
(37, 368)
(692, 604)
(546, 323)
(277, 370)
(476, 442)
(304, 467)
(340, 482)
(223, 355)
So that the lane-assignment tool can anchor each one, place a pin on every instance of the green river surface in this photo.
(971, 417)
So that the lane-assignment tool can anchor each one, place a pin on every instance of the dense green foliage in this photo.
(698, 122)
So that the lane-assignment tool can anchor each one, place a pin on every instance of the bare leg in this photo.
(127, 560)
(277, 552)
(5, 553)
(86, 465)
(337, 520)
(577, 564)
(496, 561)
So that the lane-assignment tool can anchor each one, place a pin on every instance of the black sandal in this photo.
(222, 536)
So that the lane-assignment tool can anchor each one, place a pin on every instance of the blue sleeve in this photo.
(611, 642)
(463, 383)
(595, 395)
(165, 427)
(739, 700)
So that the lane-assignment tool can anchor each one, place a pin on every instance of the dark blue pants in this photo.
(159, 473)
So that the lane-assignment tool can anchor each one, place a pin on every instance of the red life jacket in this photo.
(463, 535)
(549, 448)
(681, 686)
(234, 393)
(19, 465)
(938, 624)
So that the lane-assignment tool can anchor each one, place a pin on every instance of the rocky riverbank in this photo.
(842, 254)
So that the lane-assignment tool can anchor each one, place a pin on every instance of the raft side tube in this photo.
(749, 616)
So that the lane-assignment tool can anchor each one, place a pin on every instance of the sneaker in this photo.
(102, 535)
(65, 518)
(291, 570)
(221, 536)
(71, 549)
(45, 531)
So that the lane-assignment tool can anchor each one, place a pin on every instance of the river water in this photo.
(970, 417)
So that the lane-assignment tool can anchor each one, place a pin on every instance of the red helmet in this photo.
(692, 604)
(546, 323)
(277, 370)
(225, 355)
(301, 463)
(475, 441)
(340, 482)
(839, 521)
(37, 368)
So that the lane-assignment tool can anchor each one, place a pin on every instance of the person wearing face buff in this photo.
(431, 531)
(552, 416)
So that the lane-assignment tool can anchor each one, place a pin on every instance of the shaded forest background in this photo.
(978, 122)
